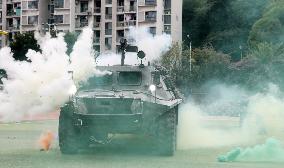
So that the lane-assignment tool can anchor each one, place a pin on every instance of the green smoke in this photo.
(271, 151)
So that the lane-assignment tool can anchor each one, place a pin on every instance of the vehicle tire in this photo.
(67, 133)
(167, 134)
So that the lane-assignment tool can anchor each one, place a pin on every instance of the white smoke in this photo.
(106, 59)
(263, 111)
(266, 112)
(42, 85)
(153, 46)
(82, 57)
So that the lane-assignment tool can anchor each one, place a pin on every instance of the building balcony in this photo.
(150, 19)
(120, 9)
(131, 9)
(108, 2)
(167, 29)
(97, 25)
(147, 3)
(108, 46)
(14, 13)
(167, 12)
(130, 23)
(10, 13)
(16, 27)
(97, 10)
(81, 24)
(13, 27)
(97, 40)
(108, 32)
(120, 24)
(9, 27)
(108, 16)
(150, 2)
(88, 11)
(9, 1)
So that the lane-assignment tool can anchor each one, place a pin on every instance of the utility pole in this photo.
(241, 48)
(190, 56)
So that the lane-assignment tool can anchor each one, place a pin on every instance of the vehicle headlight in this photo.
(152, 88)
(72, 90)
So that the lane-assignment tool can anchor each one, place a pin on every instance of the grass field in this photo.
(19, 149)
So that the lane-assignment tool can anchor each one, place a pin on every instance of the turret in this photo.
(125, 47)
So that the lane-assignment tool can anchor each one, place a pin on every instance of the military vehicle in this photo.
(125, 100)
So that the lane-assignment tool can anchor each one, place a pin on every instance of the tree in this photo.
(230, 23)
(207, 64)
(224, 24)
(22, 43)
(264, 64)
(195, 23)
(172, 60)
(270, 27)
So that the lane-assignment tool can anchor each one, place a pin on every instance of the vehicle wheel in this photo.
(166, 133)
(67, 132)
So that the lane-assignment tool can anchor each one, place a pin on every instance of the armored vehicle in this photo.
(125, 100)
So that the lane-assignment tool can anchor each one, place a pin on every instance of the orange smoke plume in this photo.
(45, 140)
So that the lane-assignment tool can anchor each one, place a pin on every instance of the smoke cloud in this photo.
(43, 84)
(263, 114)
(271, 151)
(153, 46)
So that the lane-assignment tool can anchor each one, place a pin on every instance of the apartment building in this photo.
(18, 16)
(110, 19)
(1, 38)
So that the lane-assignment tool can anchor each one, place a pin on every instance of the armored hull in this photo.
(126, 99)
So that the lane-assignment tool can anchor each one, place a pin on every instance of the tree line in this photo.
(234, 41)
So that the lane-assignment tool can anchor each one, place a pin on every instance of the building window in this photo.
(167, 19)
(153, 30)
(83, 21)
(59, 3)
(151, 16)
(150, 2)
(97, 35)
(108, 2)
(168, 4)
(167, 29)
(108, 28)
(51, 8)
(84, 6)
(33, 4)
(108, 42)
(108, 13)
(97, 48)
(58, 18)
(33, 20)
